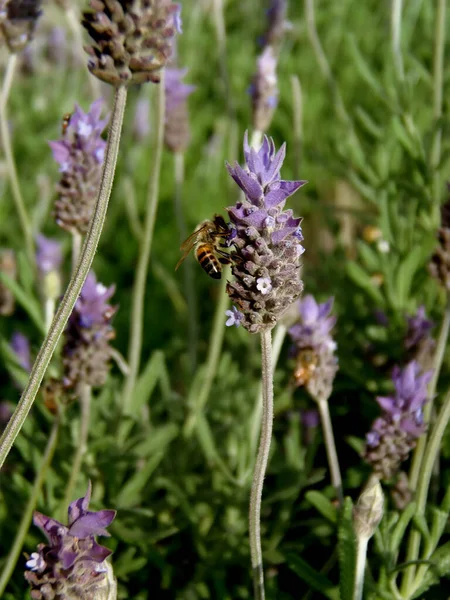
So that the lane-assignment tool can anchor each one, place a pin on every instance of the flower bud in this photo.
(368, 511)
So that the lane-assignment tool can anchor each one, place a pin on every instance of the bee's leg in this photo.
(223, 257)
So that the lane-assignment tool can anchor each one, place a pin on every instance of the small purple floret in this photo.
(48, 254)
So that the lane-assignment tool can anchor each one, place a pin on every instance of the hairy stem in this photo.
(10, 162)
(85, 396)
(330, 447)
(361, 554)
(49, 309)
(76, 283)
(188, 274)
(261, 465)
(27, 515)
(76, 248)
(278, 339)
(137, 310)
(438, 83)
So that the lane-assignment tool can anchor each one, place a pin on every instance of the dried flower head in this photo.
(176, 131)
(395, 432)
(18, 20)
(132, 39)
(87, 352)
(314, 347)
(8, 266)
(267, 239)
(71, 564)
(80, 155)
(440, 261)
(264, 90)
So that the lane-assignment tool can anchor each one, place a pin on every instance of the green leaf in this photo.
(396, 536)
(322, 504)
(347, 550)
(363, 280)
(364, 70)
(313, 578)
(438, 522)
(157, 441)
(155, 372)
(405, 274)
(369, 257)
(130, 494)
(27, 302)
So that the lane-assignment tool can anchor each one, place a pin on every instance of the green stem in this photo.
(261, 465)
(188, 275)
(428, 408)
(10, 162)
(278, 339)
(297, 104)
(214, 350)
(438, 83)
(361, 554)
(396, 28)
(85, 396)
(76, 248)
(27, 515)
(330, 447)
(137, 310)
(76, 283)
(431, 454)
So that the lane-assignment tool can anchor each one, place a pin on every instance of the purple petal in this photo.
(92, 523)
(326, 307)
(387, 403)
(99, 553)
(79, 507)
(309, 309)
(250, 186)
(49, 527)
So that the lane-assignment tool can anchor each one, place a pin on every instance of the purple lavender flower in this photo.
(264, 90)
(418, 328)
(176, 131)
(234, 317)
(20, 345)
(71, 564)
(87, 351)
(314, 347)
(267, 240)
(48, 254)
(80, 156)
(395, 432)
(132, 41)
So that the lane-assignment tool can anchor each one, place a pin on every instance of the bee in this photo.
(52, 392)
(206, 244)
(65, 122)
(306, 364)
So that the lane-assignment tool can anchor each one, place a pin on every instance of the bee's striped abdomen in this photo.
(208, 261)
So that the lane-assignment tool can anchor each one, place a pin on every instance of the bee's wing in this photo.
(190, 242)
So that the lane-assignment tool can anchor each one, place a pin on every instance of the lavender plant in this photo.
(265, 267)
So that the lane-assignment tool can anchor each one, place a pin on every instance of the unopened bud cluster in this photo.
(18, 20)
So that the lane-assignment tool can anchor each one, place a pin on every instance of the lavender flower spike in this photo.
(264, 90)
(80, 155)
(71, 564)
(48, 255)
(314, 347)
(176, 131)
(266, 238)
(132, 41)
(394, 434)
(87, 351)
